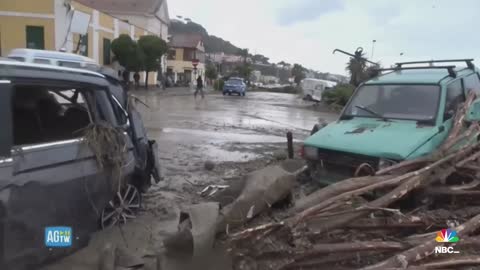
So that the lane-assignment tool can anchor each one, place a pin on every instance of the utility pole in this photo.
(373, 48)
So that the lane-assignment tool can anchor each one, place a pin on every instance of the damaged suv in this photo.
(49, 173)
(400, 115)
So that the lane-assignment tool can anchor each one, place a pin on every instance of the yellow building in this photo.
(57, 25)
(185, 49)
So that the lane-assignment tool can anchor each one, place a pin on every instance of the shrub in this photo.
(218, 85)
(290, 89)
(339, 95)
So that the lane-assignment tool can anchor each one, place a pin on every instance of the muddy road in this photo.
(237, 134)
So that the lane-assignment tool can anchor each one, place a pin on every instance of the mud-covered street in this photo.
(236, 134)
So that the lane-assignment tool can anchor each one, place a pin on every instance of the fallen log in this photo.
(378, 223)
(453, 138)
(458, 122)
(448, 191)
(321, 249)
(424, 250)
(412, 181)
(335, 190)
(453, 262)
(320, 263)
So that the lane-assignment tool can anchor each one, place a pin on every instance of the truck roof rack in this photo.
(450, 69)
(469, 63)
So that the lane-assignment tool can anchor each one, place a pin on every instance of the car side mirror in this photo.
(474, 111)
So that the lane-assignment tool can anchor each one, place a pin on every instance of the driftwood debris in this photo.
(342, 227)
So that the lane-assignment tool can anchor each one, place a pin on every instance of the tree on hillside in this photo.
(153, 48)
(298, 72)
(244, 54)
(282, 64)
(245, 71)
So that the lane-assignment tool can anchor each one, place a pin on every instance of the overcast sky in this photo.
(307, 31)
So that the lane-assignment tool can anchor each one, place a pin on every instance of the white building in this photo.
(221, 57)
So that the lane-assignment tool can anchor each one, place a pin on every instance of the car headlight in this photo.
(384, 163)
(310, 152)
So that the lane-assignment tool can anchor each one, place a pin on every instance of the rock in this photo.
(107, 257)
(209, 165)
(280, 155)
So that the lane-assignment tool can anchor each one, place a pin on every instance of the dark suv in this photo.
(49, 175)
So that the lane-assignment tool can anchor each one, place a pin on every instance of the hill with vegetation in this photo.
(212, 43)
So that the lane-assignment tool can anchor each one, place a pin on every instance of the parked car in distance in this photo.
(49, 173)
(400, 115)
(235, 85)
(55, 58)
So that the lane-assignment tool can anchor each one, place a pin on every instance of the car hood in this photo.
(373, 137)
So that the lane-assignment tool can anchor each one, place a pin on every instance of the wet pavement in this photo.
(239, 134)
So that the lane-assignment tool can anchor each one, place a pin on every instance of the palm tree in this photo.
(244, 54)
(356, 67)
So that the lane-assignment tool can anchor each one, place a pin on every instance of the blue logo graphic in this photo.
(58, 236)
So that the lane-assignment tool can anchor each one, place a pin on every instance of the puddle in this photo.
(220, 155)
(212, 136)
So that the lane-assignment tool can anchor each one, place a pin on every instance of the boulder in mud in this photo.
(280, 155)
(209, 165)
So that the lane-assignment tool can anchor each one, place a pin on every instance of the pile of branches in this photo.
(109, 146)
(386, 221)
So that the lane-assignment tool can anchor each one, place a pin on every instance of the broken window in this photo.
(42, 114)
(455, 96)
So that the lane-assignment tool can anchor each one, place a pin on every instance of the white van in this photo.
(314, 88)
(53, 58)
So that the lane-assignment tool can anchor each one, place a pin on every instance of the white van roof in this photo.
(51, 55)
(329, 83)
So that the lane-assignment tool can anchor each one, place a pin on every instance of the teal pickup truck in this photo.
(402, 113)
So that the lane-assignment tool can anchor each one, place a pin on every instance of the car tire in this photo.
(243, 94)
(229, 93)
(224, 93)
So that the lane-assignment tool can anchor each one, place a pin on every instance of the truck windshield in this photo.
(409, 102)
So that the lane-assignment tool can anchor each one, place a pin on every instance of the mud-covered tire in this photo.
(122, 207)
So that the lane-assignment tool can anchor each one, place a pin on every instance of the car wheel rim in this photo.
(121, 208)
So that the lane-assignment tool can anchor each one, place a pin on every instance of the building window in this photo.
(41, 61)
(35, 37)
(106, 51)
(83, 45)
(172, 54)
(188, 54)
(69, 64)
